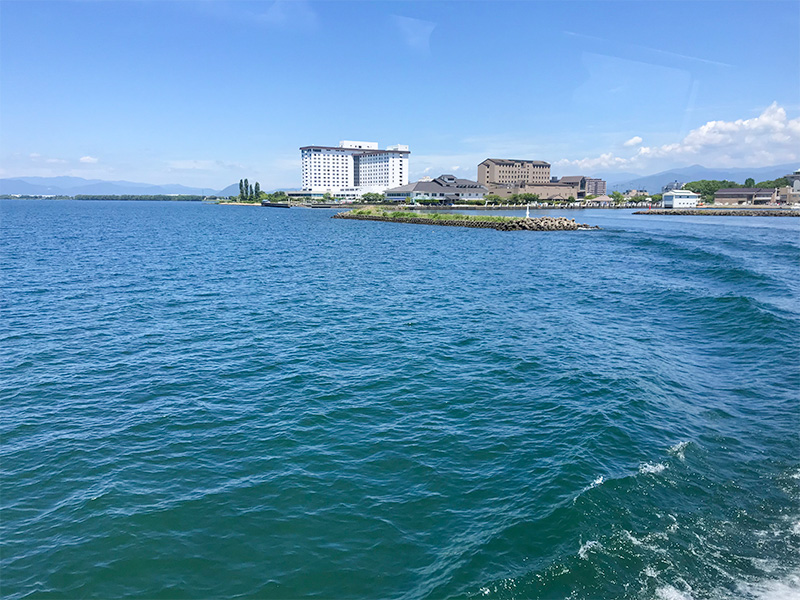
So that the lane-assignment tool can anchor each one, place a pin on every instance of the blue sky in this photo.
(205, 93)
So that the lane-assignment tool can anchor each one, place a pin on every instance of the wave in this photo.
(651, 468)
(679, 450)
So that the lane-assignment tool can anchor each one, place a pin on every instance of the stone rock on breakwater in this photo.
(514, 224)
(717, 212)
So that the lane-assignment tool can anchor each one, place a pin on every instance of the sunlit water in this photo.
(211, 401)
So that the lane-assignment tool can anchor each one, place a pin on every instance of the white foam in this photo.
(679, 450)
(651, 469)
(597, 482)
(667, 592)
(584, 549)
(787, 588)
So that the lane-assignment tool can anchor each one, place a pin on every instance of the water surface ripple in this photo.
(207, 401)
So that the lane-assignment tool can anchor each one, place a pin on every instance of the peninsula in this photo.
(456, 220)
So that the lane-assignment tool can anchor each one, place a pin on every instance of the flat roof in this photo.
(356, 150)
(508, 161)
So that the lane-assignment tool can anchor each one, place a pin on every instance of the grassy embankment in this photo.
(407, 214)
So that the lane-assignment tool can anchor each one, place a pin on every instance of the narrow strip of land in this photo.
(717, 212)
(477, 221)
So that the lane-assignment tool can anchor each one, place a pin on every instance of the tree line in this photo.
(249, 192)
(708, 187)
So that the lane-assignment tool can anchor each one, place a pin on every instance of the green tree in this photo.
(373, 197)
(708, 187)
(241, 190)
(257, 192)
(527, 198)
(246, 194)
(617, 197)
(773, 183)
(326, 197)
(749, 182)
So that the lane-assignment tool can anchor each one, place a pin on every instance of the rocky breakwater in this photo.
(717, 212)
(543, 224)
(498, 223)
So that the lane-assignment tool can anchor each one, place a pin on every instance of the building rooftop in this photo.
(512, 161)
(442, 183)
(356, 150)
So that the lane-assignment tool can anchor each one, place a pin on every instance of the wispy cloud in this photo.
(634, 141)
(88, 160)
(770, 138)
(296, 14)
(202, 165)
(415, 33)
(615, 47)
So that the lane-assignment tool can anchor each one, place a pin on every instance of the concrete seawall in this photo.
(522, 224)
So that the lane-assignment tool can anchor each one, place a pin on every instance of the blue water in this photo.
(221, 401)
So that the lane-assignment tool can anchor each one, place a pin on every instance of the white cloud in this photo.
(416, 33)
(634, 141)
(89, 160)
(56, 161)
(35, 155)
(202, 165)
(768, 139)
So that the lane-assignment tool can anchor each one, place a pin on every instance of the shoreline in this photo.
(719, 212)
(545, 223)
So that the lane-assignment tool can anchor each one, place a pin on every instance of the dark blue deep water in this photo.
(219, 401)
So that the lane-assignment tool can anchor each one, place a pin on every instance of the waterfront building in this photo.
(674, 185)
(576, 180)
(447, 189)
(680, 199)
(513, 171)
(746, 196)
(791, 195)
(352, 168)
(595, 187)
(545, 191)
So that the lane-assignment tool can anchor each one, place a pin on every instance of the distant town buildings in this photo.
(513, 171)
(505, 177)
(674, 185)
(680, 199)
(447, 189)
(791, 193)
(351, 169)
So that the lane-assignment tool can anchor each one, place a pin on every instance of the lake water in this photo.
(223, 401)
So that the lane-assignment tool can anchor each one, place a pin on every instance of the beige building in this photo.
(511, 172)
(545, 191)
(745, 196)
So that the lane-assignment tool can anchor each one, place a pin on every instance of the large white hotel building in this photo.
(352, 168)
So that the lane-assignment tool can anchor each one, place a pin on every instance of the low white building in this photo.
(680, 199)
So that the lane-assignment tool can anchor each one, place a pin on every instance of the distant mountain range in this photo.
(74, 186)
(654, 183)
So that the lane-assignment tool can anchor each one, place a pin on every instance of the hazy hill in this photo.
(73, 186)
(654, 183)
